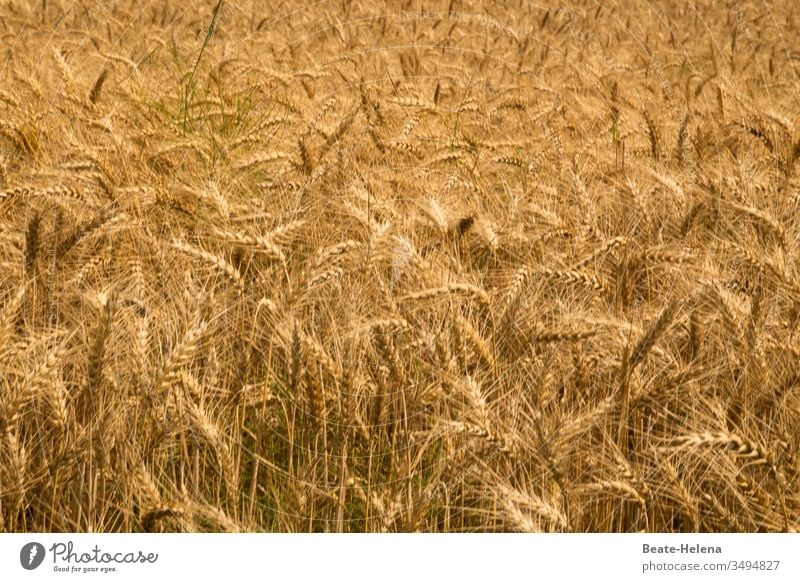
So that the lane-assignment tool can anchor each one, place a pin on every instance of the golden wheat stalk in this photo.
(181, 355)
(462, 289)
(216, 261)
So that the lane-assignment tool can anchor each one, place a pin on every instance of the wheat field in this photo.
(452, 266)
